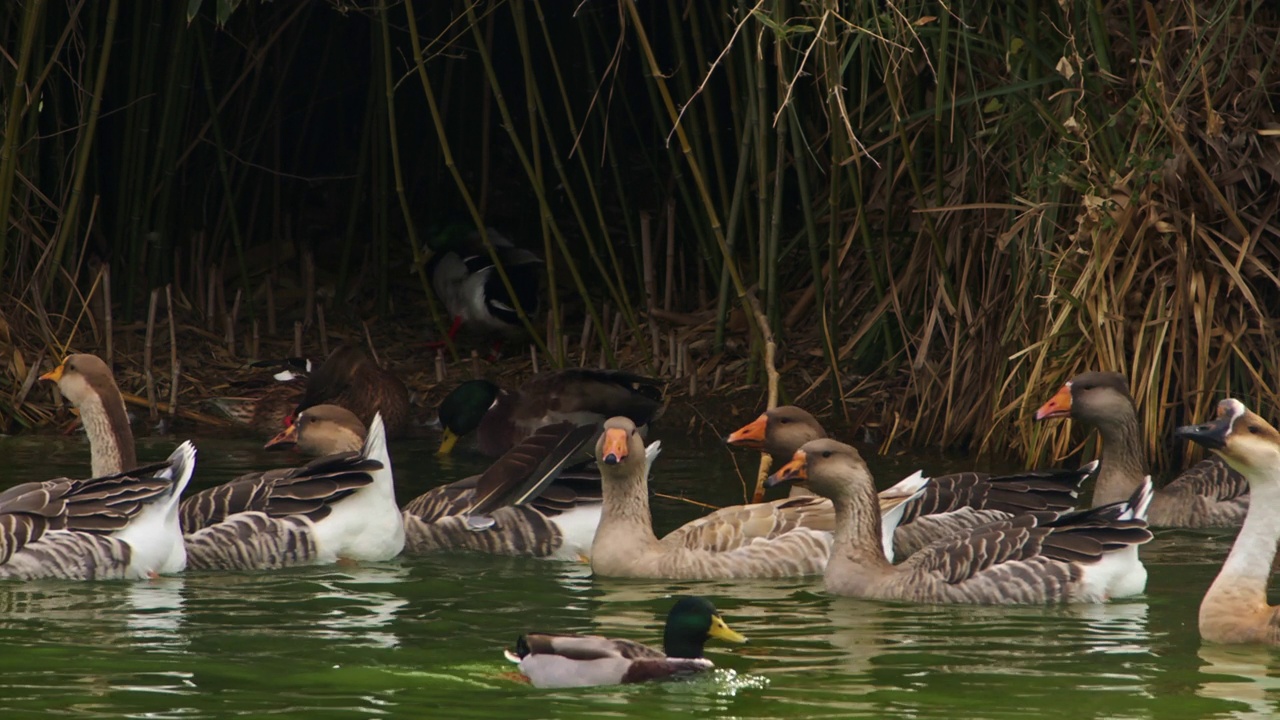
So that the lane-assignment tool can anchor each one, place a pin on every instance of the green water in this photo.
(423, 637)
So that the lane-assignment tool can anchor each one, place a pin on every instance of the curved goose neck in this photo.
(1244, 576)
(625, 512)
(110, 438)
(1123, 463)
(857, 536)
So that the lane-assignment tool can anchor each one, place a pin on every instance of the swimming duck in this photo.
(1235, 610)
(501, 418)
(120, 526)
(776, 543)
(1087, 556)
(464, 277)
(351, 379)
(87, 382)
(948, 503)
(557, 661)
(266, 401)
(339, 507)
(1207, 494)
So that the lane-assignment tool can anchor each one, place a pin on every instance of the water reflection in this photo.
(1245, 676)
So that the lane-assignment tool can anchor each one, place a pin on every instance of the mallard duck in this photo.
(464, 278)
(1235, 610)
(948, 503)
(120, 526)
(1207, 494)
(557, 661)
(339, 507)
(267, 401)
(768, 539)
(501, 418)
(88, 384)
(351, 379)
(1087, 556)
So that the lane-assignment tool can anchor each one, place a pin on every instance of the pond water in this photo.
(423, 637)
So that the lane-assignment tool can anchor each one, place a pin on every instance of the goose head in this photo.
(322, 430)
(1241, 438)
(1096, 398)
(81, 377)
(462, 410)
(779, 432)
(828, 467)
(620, 445)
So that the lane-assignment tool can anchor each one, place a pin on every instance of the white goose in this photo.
(122, 526)
(1235, 610)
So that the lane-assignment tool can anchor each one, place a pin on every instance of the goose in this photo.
(464, 278)
(119, 526)
(501, 418)
(1207, 494)
(560, 661)
(948, 504)
(524, 504)
(777, 545)
(337, 508)
(1087, 556)
(87, 382)
(1235, 609)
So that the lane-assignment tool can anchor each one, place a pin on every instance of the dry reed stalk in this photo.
(439, 367)
(297, 338)
(475, 365)
(107, 320)
(173, 351)
(368, 341)
(210, 294)
(533, 358)
(582, 344)
(229, 324)
(323, 330)
(146, 355)
(255, 338)
(271, 304)
(308, 286)
(669, 290)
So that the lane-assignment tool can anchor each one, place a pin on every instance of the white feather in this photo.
(913, 486)
(154, 536)
(367, 524)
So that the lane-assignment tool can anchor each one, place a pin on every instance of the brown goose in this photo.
(1235, 610)
(1089, 556)
(121, 526)
(351, 379)
(1207, 494)
(625, 545)
(948, 504)
(339, 507)
(88, 384)
(501, 418)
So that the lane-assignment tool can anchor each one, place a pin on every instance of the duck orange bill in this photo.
(795, 471)
(751, 435)
(1058, 406)
(613, 446)
(54, 375)
(284, 439)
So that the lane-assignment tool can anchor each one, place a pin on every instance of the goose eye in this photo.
(1255, 430)
(784, 421)
(826, 453)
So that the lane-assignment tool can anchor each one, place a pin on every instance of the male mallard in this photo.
(502, 418)
(121, 526)
(1207, 494)
(557, 661)
(464, 277)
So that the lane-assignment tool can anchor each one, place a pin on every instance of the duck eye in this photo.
(1255, 430)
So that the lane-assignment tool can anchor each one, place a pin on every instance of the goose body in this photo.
(1088, 556)
(945, 505)
(1235, 609)
(775, 545)
(122, 526)
(1208, 494)
(339, 507)
(558, 661)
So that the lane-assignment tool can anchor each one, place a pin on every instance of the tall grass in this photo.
(942, 210)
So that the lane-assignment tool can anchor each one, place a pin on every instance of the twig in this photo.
(439, 366)
(368, 339)
(146, 354)
(670, 289)
(174, 364)
(324, 332)
(297, 338)
(107, 320)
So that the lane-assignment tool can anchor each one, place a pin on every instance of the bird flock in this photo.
(569, 482)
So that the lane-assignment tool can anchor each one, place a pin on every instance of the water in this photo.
(423, 637)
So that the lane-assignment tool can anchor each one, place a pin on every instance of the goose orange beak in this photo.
(796, 471)
(613, 446)
(55, 374)
(286, 438)
(1058, 406)
(751, 435)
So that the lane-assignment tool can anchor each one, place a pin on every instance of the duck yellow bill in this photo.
(447, 440)
(795, 471)
(720, 629)
(285, 438)
(751, 435)
(55, 374)
(1058, 406)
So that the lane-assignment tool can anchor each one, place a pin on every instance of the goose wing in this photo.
(1210, 478)
(1034, 490)
(737, 526)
